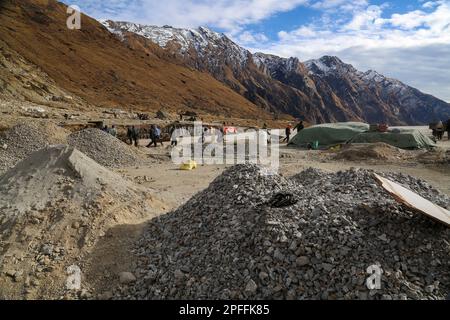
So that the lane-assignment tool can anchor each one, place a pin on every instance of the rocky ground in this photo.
(251, 235)
(223, 232)
(55, 206)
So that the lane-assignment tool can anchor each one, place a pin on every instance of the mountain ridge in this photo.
(320, 90)
(91, 63)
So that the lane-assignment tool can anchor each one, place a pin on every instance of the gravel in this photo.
(23, 139)
(104, 148)
(228, 242)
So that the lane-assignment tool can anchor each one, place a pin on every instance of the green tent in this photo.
(329, 134)
(400, 138)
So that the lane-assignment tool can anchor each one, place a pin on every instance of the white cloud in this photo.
(250, 38)
(365, 19)
(430, 4)
(413, 47)
(230, 15)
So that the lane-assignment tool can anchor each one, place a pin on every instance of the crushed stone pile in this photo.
(54, 206)
(233, 241)
(375, 151)
(104, 148)
(23, 139)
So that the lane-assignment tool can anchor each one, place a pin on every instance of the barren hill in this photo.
(93, 64)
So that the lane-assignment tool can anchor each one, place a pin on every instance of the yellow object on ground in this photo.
(189, 165)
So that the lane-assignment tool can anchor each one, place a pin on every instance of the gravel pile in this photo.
(104, 148)
(54, 207)
(21, 140)
(232, 241)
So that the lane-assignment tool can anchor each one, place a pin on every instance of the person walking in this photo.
(173, 137)
(288, 133)
(299, 127)
(135, 135)
(152, 134)
(130, 134)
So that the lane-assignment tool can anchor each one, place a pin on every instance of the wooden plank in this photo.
(413, 201)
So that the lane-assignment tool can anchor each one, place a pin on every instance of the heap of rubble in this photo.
(104, 148)
(252, 235)
(23, 139)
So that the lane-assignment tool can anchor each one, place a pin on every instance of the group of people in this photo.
(440, 128)
(112, 131)
(288, 131)
(134, 134)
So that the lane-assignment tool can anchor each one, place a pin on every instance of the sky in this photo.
(404, 39)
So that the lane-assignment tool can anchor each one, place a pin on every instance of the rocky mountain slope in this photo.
(320, 90)
(94, 65)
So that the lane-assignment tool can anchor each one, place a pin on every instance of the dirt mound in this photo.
(54, 206)
(104, 148)
(255, 236)
(23, 139)
(435, 156)
(376, 151)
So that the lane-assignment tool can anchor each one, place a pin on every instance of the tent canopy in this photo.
(401, 138)
(329, 134)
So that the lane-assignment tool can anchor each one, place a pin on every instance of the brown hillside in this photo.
(93, 64)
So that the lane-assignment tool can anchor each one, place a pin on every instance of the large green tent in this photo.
(400, 138)
(329, 134)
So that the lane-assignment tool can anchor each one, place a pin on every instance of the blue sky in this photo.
(407, 40)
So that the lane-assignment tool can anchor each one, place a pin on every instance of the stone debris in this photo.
(54, 207)
(104, 148)
(228, 243)
(25, 138)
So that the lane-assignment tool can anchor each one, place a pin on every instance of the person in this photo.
(288, 133)
(105, 129)
(439, 130)
(299, 127)
(158, 135)
(448, 129)
(134, 135)
(130, 134)
(173, 137)
(155, 135)
(205, 130)
(152, 136)
(113, 131)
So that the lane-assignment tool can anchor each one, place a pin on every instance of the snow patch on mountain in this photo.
(204, 41)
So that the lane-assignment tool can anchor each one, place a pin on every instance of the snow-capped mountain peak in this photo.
(316, 88)
(327, 65)
(203, 40)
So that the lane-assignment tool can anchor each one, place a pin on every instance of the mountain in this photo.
(322, 90)
(40, 54)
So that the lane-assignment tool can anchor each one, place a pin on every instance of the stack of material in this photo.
(23, 139)
(104, 148)
(54, 206)
(370, 151)
(230, 241)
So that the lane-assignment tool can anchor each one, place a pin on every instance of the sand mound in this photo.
(54, 206)
(104, 148)
(23, 139)
(230, 241)
(376, 151)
